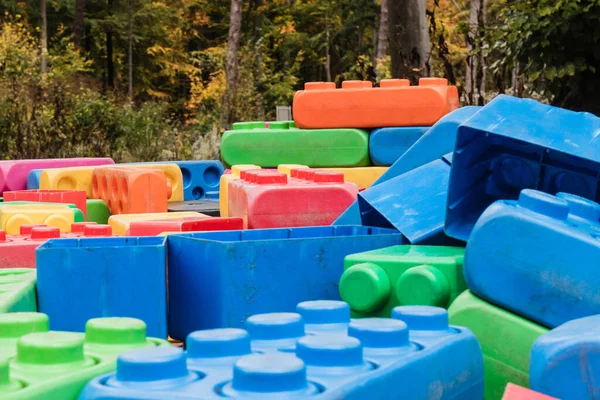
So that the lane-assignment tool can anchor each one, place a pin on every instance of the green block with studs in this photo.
(17, 290)
(97, 211)
(374, 282)
(46, 364)
(283, 143)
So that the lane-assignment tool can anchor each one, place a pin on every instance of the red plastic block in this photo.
(151, 228)
(515, 392)
(77, 197)
(268, 199)
(358, 105)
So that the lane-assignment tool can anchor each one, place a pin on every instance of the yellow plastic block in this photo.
(287, 168)
(172, 173)
(363, 177)
(71, 178)
(13, 217)
(224, 184)
(120, 223)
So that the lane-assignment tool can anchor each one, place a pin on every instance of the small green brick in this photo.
(374, 282)
(17, 290)
(97, 211)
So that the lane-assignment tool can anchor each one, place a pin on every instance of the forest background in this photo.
(161, 79)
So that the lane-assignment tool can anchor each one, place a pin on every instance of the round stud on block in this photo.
(543, 203)
(66, 183)
(26, 229)
(581, 207)
(78, 227)
(422, 318)
(97, 230)
(433, 82)
(169, 188)
(379, 332)
(330, 351)
(319, 85)
(13, 224)
(271, 178)
(357, 84)
(394, 83)
(215, 343)
(167, 364)
(275, 326)
(423, 285)
(324, 312)
(60, 221)
(211, 176)
(115, 331)
(51, 348)
(6, 384)
(45, 232)
(328, 177)
(279, 125)
(237, 126)
(15, 325)
(365, 287)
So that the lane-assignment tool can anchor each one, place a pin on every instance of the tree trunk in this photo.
(110, 68)
(258, 22)
(476, 69)
(409, 39)
(327, 52)
(78, 23)
(44, 38)
(130, 54)
(382, 41)
(231, 62)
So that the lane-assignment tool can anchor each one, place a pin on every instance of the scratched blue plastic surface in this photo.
(537, 257)
(33, 179)
(565, 362)
(513, 144)
(80, 279)
(229, 275)
(386, 145)
(436, 142)
(371, 358)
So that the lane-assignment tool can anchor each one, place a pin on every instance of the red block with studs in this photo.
(152, 228)
(77, 197)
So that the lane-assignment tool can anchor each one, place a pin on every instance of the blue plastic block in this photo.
(513, 144)
(386, 145)
(436, 142)
(33, 179)
(218, 279)
(80, 279)
(565, 362)
(375, 359)
(537, 257)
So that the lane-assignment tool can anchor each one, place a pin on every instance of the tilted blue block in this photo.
(434, 143)
(537, 257)
(386, 145)
(513, 144)
(80, 279)
(565, 362)
(373, 358)
(33, 179)
(218, 279)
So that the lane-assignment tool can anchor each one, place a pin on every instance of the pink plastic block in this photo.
(515, 392)
(13, 173)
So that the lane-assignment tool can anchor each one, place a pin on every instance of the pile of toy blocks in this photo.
(386, 244)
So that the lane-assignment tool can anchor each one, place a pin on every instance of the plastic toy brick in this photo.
(120, 223)
(513, 144)
(505, 339)
(386, 145)
(97, 211)
(375, 282)
(77, 213)
(13, 173)
(266, 199)
(363, 177)
(542, 259)
(71, 178)
(58, 365)
(366, 362)
(253, 143)
(206, 207)
(515, 392)
(224, 185)
(172, 172)
(96, 277)
(131, 191)
(17, 290)
(189, 224)
(259, 271)
(13, 325)
(13, 216)
(433, 145)
(76, 197)
(33, 179)
(358, 105)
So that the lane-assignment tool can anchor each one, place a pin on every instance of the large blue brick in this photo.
(386, 145)
(80, 279)
(420, 357)
(33, 179)
(513, 144)
(218, 279)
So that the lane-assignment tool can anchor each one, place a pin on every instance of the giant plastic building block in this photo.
(367, 362)
(281, 143)
(543, 260)
(103, 277)
(77, 213)
(33, 179)
(438, 141)
(17, 290)
(375, 282)
(259, 271)
(189, 224)
(363, 177)
(173, 174)
(13, 216)
(131, 191)
(120, 223)
(515, 392)
(505, 339)
(206, 207)
(386, 145)
(76, 197)
(57, 365)
(358, 105)
(97, 211)
(565, 362)
(70, 178)
(14, 173)
(514, 144)
(224, 185)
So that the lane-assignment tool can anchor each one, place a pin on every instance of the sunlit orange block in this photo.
(130, 190)
(359, 105)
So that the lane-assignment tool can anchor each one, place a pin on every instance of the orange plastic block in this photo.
(131, 191)
(358, 105)
(515, 392)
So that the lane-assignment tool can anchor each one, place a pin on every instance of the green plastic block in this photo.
(17, 290)
(283, 143)
(97, 211)
(57, 365)
(374, 282)
(77, 213)
(505, 338)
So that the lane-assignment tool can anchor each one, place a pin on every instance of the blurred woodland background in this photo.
(160, 79)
